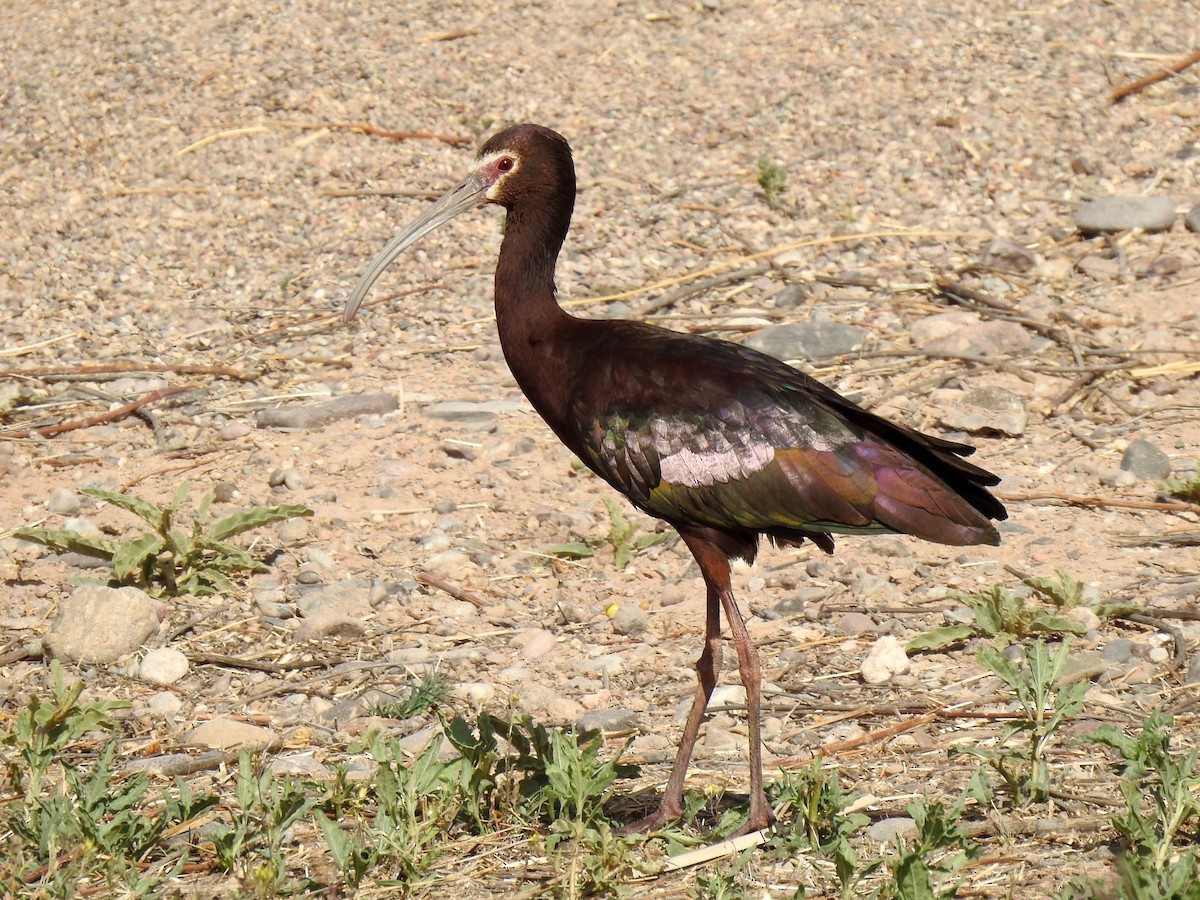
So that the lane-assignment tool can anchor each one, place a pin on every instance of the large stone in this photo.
(1108, 214)
(989, 410)
(98, 624)
(817, 339)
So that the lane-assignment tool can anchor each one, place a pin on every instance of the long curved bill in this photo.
(465, 196)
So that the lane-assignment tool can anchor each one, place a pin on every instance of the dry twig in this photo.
(112, 415)
(1121, 91)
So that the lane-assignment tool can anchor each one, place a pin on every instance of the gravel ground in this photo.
(189, 197)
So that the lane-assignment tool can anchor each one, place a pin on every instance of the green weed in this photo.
(1186, 488)
(929, 868)
(90, 823)
(1045, 705)
(430, 692)
(251, 844)
(772, 178)
(166, 560)
(622, 536)
(811, 809)
(1162, 812)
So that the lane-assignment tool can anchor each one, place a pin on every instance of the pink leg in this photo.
(708, 666)
(761, 815)
(714, 565)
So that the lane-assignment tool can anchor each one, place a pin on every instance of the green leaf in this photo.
(68, 541)
(939, 638)
(256, 517)
(1062, 591)
(912, 879)
(181, 494)
(129, 558)
(1048, 622)
(146, 510)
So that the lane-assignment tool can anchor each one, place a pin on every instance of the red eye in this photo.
(504, 164)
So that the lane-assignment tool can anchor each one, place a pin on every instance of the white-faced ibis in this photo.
(723, 443)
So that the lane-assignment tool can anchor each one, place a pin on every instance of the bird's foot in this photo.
(761, 817)
(664, 815)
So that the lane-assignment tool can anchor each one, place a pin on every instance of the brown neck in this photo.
(534, 330)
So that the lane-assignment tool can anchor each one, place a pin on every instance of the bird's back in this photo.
(709, 433)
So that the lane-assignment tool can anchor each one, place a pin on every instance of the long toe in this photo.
(664, 815)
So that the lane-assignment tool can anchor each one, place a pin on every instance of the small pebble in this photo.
(63, 502)
(293, 531)
(330, 624)
(852, 623)
(163, 705)
(164, 665)
(228, 734)
(630, 620)
(536, 643)
(608, 720)
(885, 659)
(983, 339)
(231, 431)
(1009, 256)
(1145, 461)
(1192, 219)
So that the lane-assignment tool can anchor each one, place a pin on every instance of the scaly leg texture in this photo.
(714, 566)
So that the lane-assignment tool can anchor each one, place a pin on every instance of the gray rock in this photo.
(605, 666)
(983, 339)
(886, 830)
(807, 340)
(164, 665)
(470, 410)
(1117, 651)
(292, 531)
(228, 734)
(1192, 219)
(1193, 670)
(351, 597)
(1008, 256)
(721, 740)
(535, 643)
(791, 296)
(1146, 461)
(99, 624)
(1099, 268)
(608, 720)
(63, 502)
(162, 705)
(318, 415)
(299, 765)
(989, 409)
(630, 620)
(1119, 213)
(727, 695)
(231, 431)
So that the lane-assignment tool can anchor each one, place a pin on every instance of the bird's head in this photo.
(517, 165)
